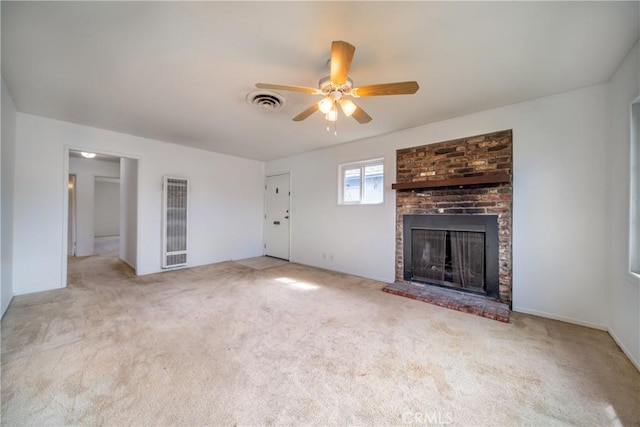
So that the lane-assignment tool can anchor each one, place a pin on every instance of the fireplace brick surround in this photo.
(445, 165)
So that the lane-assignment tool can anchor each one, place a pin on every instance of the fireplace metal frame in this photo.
(487, 224)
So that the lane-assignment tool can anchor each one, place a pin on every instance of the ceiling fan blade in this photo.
(306, 113)
(400, 88)
(360, 115)
(287, 87)
(341, 56)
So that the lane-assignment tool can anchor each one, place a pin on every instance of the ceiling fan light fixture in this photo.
(332, 115)
(348, 107)
(325, 105)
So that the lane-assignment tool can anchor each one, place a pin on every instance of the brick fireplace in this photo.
(457, 180)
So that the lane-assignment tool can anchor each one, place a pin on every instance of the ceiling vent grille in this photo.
(266, 101)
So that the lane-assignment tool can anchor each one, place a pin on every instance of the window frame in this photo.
(361, 164)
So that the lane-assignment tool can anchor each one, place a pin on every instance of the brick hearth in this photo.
(484, 157)
(453, 300)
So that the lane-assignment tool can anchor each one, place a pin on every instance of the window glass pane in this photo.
(351, 189)
(373, 184)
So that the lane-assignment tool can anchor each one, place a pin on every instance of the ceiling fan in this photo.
(337, 87)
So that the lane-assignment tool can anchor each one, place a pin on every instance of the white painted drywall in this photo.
(226, 199)
(623, 288)
(106, 209)
(7, 171)
(129, 211)
(86, 171)
(559, 213)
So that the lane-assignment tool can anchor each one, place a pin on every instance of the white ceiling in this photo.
(180, 71)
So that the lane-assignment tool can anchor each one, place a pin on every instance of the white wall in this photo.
(624, 288)
(106, 209)
(559, 212)
(129, 211)
(7, 170)
(226, 200)
(86, 171)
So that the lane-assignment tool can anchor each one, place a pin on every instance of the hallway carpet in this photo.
(227, 344)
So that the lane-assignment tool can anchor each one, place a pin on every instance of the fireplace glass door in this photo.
(449, 258)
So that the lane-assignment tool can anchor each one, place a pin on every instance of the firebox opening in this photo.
(456, 251)
(449, 258)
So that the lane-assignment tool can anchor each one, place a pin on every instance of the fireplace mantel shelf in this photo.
(497, 178)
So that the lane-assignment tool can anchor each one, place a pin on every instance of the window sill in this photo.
(360, 204)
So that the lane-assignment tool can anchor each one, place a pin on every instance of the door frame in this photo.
(264, 216)
(71, 224)
(65, 202)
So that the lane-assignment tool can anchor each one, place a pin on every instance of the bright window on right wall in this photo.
(634, 225)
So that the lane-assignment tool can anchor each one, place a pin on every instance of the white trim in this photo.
(627, 353)
(560, 318)
(65, 203)
(139, 215)
(65, 216)
(383, 281)
(6, 308)
(633, 254)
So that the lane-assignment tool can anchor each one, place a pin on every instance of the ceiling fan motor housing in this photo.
(327, 86)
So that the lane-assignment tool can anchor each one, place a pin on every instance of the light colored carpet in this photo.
(290, 345)
(106, 246)
(262, 262)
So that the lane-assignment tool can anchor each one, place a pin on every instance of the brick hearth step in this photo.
(452, 299)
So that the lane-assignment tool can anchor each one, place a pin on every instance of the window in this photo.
(634, 225)
(362, 183)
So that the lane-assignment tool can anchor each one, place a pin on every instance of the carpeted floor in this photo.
(106, 246)
(228, 344)
(262, 262)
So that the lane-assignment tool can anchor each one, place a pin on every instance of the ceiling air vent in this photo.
(265, 100)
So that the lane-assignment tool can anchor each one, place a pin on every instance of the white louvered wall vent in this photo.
(174, 222)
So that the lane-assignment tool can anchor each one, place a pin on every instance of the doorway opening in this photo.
(102, 214)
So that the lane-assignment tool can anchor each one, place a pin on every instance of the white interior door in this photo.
(277, 216)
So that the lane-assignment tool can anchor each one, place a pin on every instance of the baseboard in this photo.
(4, 309)
(561, 318)
(635, 363)
(35, 291)
(127, 262)
(334, 270)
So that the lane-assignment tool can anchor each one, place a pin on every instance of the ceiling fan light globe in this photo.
(348, 107)
(332, 115)
(325, 105)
